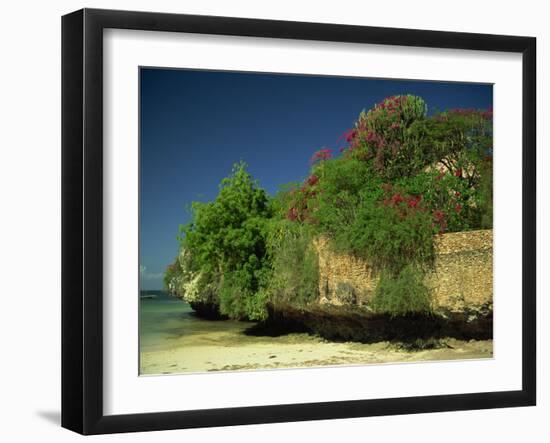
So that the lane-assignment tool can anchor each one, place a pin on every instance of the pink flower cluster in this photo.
(396, 199)
(375, 138)
(302, 197)
(350, 135)
(414, 201)
(440, 220)
(312, 180)
(322, 154)
(405, 206)
(393, 103)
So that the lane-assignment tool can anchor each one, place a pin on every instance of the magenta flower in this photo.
(322, 154)
(350, 135)
(312, 180)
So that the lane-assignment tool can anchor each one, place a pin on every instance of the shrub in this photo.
(372, 221)
(344, 183)
(295, 268)
(241, 293)
(402, 294)
(346, 292)
(387, 135)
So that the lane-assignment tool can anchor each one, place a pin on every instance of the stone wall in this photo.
(462, 279)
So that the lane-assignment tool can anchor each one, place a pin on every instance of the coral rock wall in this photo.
(462, 279)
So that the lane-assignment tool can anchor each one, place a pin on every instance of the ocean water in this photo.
(164, 319)
(160, 318)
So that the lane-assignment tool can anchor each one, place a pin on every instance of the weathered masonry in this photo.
(462, 279)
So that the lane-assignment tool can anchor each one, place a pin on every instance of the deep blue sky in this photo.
(195, 124)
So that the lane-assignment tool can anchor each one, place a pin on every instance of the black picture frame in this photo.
(82, 218)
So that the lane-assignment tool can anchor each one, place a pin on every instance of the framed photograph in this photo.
(269, 221)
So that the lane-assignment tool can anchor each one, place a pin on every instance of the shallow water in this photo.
(164, 319)
(173, 340)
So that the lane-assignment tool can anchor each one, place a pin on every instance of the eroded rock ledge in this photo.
(347, 323)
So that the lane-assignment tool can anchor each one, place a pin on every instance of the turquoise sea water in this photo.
(160, 318)
(163, 318)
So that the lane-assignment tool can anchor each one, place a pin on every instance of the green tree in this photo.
(227, 242)
(388, 136)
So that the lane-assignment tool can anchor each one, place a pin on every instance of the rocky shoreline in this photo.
(345, 323)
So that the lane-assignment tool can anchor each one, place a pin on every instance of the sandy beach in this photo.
(174, 340)
(233, 350)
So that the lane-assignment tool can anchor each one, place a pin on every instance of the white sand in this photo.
(225, 351)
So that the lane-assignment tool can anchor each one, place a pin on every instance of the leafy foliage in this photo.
(294, 261)
(402, 294)
(388, 135)
(403, 177)
(227, 243)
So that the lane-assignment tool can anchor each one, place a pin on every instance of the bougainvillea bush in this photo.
(401, 178)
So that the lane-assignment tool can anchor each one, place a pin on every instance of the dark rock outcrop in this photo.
(208, 311)
(346, 323)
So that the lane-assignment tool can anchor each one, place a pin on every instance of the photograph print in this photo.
(297, 221)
